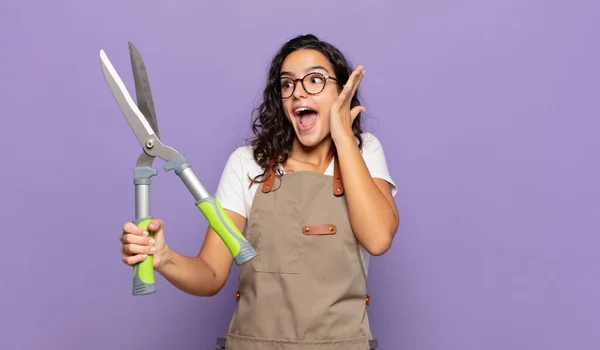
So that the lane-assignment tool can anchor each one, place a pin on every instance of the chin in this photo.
(310, 139)
(308, 142)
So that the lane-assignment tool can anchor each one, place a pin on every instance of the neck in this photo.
(318, 156)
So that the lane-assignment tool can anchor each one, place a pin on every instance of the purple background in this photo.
(488, 113)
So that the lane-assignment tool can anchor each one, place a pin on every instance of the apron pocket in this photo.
(277, 241)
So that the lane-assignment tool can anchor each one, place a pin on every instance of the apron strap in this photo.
(270, 178)
(338, 184)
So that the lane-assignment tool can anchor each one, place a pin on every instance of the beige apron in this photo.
(306, 289)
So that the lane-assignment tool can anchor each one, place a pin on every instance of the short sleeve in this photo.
(374, 157)
(230, 191)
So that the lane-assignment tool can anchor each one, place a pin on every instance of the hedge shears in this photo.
(142, 120)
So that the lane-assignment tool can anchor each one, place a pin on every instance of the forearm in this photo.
(372, 215)
(191, 275)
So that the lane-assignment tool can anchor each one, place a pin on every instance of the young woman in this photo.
(314, 193)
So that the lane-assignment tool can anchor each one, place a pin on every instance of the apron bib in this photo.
(306, 289)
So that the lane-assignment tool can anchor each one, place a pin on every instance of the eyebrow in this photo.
(307, 70)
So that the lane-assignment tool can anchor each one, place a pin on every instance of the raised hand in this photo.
(341, 116)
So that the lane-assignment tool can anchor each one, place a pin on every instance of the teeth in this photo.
(302, 109)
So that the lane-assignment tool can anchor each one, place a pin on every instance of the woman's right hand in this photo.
(136, 244)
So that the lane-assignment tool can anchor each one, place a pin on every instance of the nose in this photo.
(299, 89)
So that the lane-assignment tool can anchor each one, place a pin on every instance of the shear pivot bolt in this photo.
(149, 144)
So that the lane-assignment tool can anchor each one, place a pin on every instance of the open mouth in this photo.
(307, 118)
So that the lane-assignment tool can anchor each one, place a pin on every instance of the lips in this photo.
(306, 117)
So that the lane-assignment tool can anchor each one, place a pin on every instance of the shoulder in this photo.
(241, 154)
(241, 162)
(370, 144)
(241, 157)
(374, 157)
(232, 190)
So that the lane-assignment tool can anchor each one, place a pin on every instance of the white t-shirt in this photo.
(234, 193)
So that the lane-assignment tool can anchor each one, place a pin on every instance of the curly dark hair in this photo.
(274, 133)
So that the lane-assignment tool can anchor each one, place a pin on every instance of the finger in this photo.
(133, 229)
(343, 96)
(134, 259)
(155, 225)
(352, 85)
(354, 112)
(139, 240)
(133, 249)
(358, 77)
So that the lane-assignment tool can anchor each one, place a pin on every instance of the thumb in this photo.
(155, 226)
(356, 110)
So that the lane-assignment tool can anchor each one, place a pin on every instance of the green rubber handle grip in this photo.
(143, 272)
(241, 250)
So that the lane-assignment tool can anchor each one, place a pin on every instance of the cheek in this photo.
(327, 98)
(286, 107)
(325, 102)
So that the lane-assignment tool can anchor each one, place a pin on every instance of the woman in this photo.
(316, 198)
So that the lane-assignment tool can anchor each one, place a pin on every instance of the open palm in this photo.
(342, 116)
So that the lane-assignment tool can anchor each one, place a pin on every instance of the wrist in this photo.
(166, 259)
(343, 139)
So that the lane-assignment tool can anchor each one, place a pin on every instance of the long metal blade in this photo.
(138, 123)
(143, 92)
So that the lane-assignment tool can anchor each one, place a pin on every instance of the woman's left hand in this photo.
(341, 116)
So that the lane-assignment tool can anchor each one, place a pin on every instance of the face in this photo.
(307, 111)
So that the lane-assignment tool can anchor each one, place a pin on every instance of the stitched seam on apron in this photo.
(302, 342)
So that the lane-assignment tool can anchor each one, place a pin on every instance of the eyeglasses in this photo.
(313, 83)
